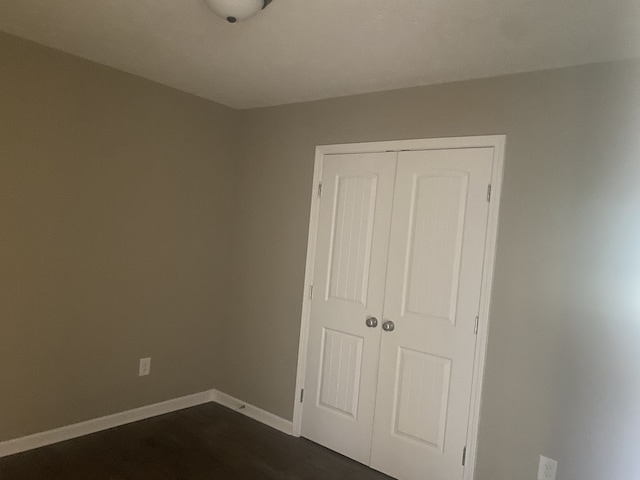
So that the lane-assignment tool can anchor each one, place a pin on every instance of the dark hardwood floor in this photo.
(200, 443)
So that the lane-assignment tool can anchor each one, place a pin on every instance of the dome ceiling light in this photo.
(236, 10)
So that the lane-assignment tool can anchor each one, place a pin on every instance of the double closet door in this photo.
(392, 332)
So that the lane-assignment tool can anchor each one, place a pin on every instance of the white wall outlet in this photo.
(547, 468)
(145, 367)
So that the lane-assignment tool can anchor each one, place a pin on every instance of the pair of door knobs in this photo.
(387, 326)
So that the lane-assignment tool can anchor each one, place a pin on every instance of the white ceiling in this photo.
(298, 50)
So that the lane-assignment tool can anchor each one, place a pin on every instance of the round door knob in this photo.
(372, 322)
(388, 326)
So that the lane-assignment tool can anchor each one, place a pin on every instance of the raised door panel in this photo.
(434, 248)
(340, 368)
(421, 397)
(351, 236)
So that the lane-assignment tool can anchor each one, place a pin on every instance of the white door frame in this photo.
(497, 142)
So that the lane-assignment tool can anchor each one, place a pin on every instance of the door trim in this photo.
(497, 142)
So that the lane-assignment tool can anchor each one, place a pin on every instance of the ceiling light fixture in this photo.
(236, 10)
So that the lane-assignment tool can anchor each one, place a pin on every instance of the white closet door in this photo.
(348, 282)
(432, 295)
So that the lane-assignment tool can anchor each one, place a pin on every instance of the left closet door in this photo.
(346, 309)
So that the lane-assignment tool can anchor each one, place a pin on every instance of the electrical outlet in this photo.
(145, 367)
(547, 469)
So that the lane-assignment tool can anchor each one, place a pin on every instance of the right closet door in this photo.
(431, 300)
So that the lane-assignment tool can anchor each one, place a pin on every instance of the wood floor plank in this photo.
(207, 442)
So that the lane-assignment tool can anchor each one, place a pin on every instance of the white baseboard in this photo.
(37, 440)
(61, 434)
(252, 411)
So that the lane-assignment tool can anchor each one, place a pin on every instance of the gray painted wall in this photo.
(114, 239)
(563, 369)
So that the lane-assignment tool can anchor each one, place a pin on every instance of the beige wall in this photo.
(563, 370)
(127, 210)
(114, 238)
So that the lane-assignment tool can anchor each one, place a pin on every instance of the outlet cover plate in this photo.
(145, 367)
(547, 468)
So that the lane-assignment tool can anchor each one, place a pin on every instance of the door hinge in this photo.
(489, 193)
(320, 190)
(301, 395)
(464, 455)
(311, 292)
(475, 329)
